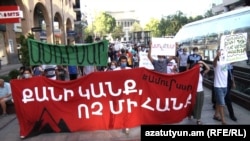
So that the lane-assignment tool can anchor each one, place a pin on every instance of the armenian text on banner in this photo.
(163, 46)
(82, 55)
(103, 101)
(233, 47)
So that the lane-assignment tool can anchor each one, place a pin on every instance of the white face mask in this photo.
(112, 67)
(26, 75)
(161, 59)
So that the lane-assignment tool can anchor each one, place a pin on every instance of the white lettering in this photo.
(129, 86)
(119, 91)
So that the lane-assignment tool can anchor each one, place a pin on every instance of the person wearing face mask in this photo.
(123, 60)
(27, 73)
(111, 66)
(123, 63)
(182, 60)
(193, 58)
(160, 64)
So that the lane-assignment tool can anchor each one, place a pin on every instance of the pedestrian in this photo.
(20, 75)
(199, 101)
(193, 58)
(61, 72)
(160, 65)
(27, 73)
(220, 87)
(73, 72)
(37, 70)
(135, 60)
(111, 66)
(230, 84)
(123, 66)
(5, 95)
(49, 71)
(123, 63)
(89, 69)
(182, 63)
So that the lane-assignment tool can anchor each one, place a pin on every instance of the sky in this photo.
(147, 9)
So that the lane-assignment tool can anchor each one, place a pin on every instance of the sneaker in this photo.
(233, 118)
(127, 131)
(22, 137)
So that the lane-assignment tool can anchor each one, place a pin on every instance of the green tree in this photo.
(89, 39)
(209, 13)
(24, 50)
(118, 33)
(163, 25)
(177, 21)
(88, 31)
(136, 27)
(152, 26)
(104, 24)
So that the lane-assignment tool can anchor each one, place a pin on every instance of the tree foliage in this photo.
(104, 24)
(168, 25)
(152, 26)
(136, 27)
(118, 32)
(24, 50)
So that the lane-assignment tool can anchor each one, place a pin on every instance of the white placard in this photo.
(163, 46)
(144, 61)
(233, 48)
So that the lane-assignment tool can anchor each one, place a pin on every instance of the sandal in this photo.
(217, 118)
(198, 122)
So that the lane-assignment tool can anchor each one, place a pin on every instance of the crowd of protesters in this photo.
(120, 58)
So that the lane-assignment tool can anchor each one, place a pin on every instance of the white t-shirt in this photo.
(88, 69)
(200, 84)
(170, 66)
(220, 75)
(119, 68)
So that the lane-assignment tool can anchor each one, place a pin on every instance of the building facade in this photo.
(125, 19)
(221, 6)
(51, 21)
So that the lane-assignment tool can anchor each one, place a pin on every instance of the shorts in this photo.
(220, 94)
(7, 98)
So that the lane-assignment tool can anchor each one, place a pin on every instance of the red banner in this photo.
(103, 100)
(10, 14)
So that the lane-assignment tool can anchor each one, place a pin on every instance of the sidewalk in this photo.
(5, 69)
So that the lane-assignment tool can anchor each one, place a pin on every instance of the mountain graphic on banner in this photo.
(47, 124)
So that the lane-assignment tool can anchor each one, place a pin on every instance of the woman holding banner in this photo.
(204, 69)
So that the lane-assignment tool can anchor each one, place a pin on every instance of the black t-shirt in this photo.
(193, 59)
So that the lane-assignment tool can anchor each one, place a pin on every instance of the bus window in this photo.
(206, 33)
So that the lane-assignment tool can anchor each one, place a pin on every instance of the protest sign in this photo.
(99, 101)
